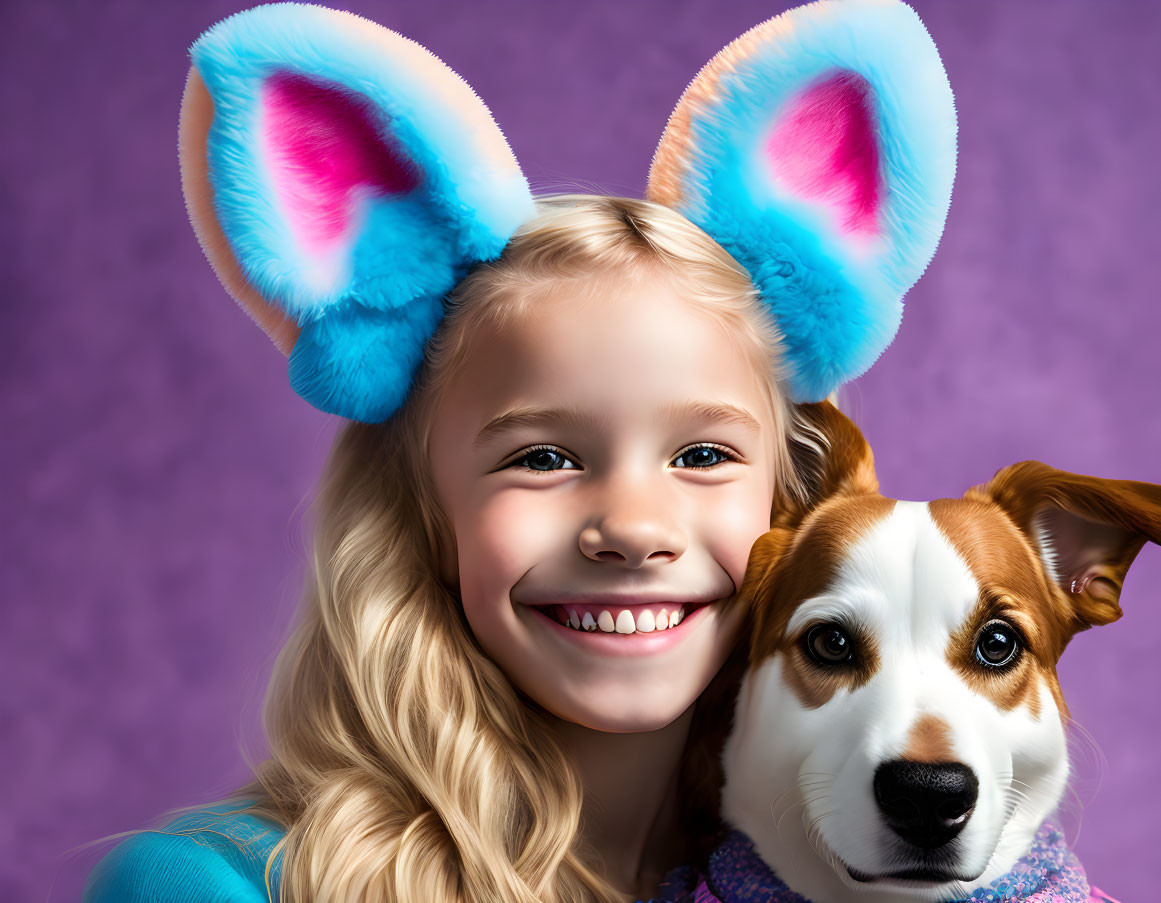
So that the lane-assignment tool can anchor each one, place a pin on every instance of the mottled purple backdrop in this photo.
(156, 464)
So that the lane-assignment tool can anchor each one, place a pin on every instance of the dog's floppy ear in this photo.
(832, 458)
(341, 180)
(837, 462)
(846, 465)
(762, 564)
(1088, 530)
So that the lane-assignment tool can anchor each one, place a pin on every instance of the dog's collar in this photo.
(1049, 873)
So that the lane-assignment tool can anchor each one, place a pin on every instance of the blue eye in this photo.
(702, 456)
(544, 458)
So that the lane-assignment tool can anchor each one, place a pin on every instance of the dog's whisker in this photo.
(1013, 791)
(810, 801)
(1072, 804)
(818, 843)
(785, 812)
(814, 825)
(1013, 795)
(806, 799)
(789, 805)
(1088, 765)
(1080, 736)
(812, 785)
(807, 791)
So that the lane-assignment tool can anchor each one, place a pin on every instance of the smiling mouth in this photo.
(622, 619)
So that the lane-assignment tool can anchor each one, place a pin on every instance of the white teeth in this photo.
(646, 621)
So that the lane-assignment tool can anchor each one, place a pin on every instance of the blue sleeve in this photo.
(204, 857)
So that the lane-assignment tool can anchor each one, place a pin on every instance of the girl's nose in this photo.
(632, 530)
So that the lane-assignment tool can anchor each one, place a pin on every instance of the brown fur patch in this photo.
(849, 467)
(814, 684)
(1013, 588)
(929, 741)
(789, 568)
(1098, 526)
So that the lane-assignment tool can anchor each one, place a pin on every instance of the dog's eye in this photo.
(829, 644)
(997, 645)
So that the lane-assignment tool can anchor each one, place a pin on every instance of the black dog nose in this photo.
(926, 803)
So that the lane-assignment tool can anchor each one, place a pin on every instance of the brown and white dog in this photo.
(899, 732)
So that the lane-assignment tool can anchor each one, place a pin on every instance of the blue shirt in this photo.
(211, 855)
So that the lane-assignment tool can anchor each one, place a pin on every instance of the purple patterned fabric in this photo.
(1049, 873)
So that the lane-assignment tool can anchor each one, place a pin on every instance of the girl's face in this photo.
(605, 462)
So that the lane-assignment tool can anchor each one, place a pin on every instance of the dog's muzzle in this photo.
(925, 803)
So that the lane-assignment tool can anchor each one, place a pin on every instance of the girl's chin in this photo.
(653, 715)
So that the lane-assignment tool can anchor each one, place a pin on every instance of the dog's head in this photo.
(900, 728)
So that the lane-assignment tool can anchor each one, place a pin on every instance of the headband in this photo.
(342, 180)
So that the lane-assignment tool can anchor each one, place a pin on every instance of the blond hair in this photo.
(403, 763)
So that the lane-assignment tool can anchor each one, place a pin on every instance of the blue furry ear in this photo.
(819, 150)
(341, 180)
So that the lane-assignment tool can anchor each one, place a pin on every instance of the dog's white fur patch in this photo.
(799, 781)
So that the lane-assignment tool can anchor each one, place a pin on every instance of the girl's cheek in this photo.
(509, 533)
(734, 523)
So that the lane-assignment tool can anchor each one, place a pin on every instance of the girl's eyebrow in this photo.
(514, 418)
(713, 411)
(571, 417)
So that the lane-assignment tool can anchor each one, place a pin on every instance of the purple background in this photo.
(156, 464)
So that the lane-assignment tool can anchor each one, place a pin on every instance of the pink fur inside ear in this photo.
(823, 148)
(322, 143)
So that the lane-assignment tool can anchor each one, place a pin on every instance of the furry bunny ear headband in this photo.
(342, 180)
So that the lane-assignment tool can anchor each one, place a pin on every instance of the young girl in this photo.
(570, 419)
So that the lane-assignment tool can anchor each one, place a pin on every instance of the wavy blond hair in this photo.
(403, 764)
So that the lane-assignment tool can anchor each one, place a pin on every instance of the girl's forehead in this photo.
(582, 320)
(620, 340)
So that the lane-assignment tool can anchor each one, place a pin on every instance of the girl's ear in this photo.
(341, 180)
(819, 150)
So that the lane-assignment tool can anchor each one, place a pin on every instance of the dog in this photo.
(898, 733)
